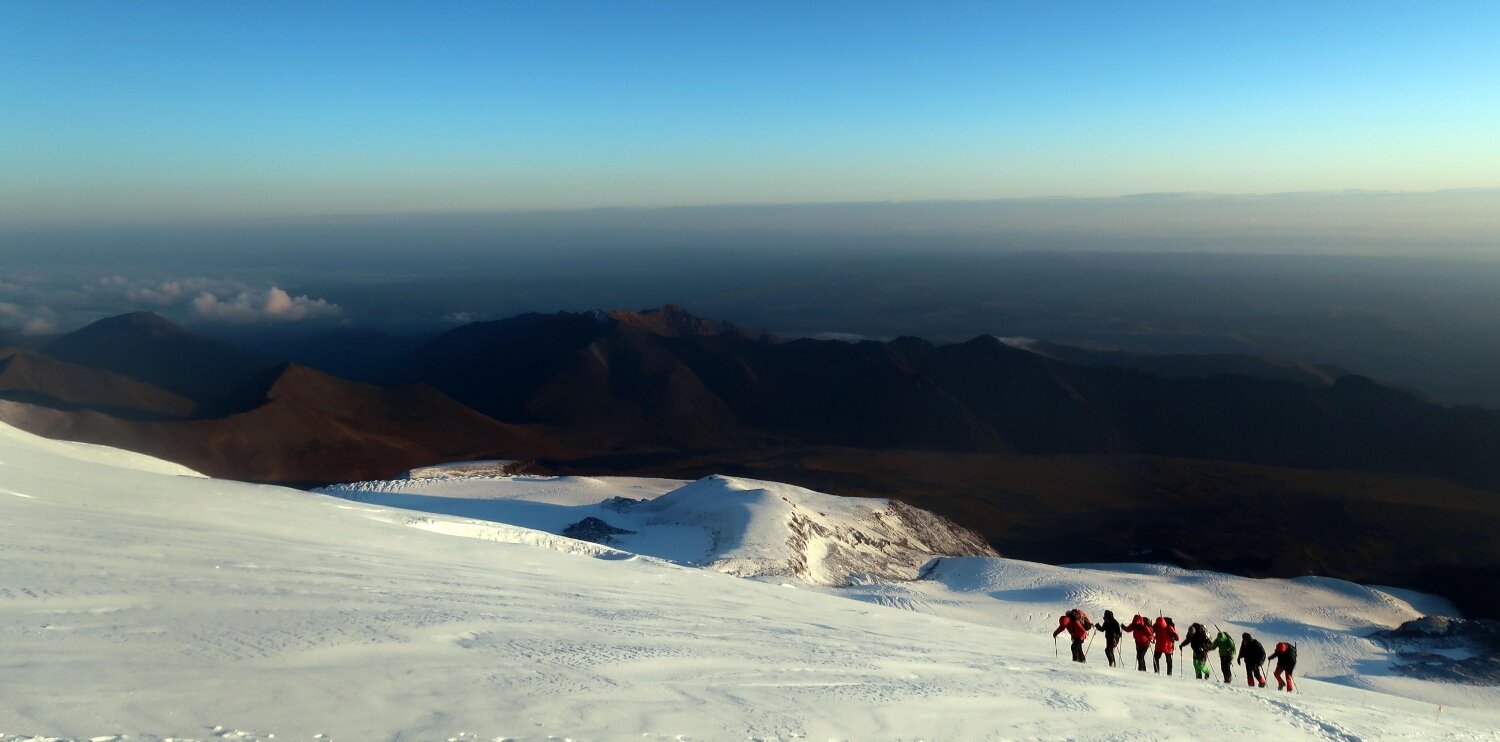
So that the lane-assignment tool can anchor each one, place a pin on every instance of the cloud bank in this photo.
(30, 320)
(271, 305)
(39, 305)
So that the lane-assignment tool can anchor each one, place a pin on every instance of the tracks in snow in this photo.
(1304, 719)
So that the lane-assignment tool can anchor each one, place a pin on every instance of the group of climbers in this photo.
(1162, 634)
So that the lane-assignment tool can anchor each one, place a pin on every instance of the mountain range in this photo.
(630, 387)
(1181, 457)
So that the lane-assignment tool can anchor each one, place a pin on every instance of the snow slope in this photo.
(1330, 620)
(742, 527)
(749, 525)
(137, 600)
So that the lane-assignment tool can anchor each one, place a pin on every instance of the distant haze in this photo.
(1454, 223)
(1359, 280)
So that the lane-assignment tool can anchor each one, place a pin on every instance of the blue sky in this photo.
(173, 111)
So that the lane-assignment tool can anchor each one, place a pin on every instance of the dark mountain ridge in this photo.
(362, 354)
(148, 348)
(630, 387)
(666, 380)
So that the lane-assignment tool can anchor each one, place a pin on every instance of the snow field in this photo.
(138, 602)
(1330, 620)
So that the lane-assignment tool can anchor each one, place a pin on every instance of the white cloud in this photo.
(39, 326)
(167, 292)
(162, 290)
(37, 320)
(272, 305)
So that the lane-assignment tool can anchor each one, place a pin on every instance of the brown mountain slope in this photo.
(674, 321)
(32, 377)
(311, 427)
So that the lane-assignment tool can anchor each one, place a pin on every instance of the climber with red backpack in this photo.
(1077, 624)
(1286, 662)
(1140, 628)
(1166, 642)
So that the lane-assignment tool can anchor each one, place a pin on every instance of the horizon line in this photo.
(241, 219)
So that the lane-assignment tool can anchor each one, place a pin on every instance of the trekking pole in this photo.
(1054, 645)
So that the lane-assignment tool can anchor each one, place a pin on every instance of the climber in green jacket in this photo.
(1225, 645)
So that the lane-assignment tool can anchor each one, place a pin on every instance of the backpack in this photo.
(1225, 644)
(1252, 651)
(1290, 654)
(1082, 618)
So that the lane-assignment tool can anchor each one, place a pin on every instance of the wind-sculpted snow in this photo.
(138, 604)
(743, 527)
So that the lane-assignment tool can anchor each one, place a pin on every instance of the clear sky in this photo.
(168, 111)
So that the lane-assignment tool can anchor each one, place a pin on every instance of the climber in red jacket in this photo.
(1140, 628)
(1166, 641)
(1077, 624)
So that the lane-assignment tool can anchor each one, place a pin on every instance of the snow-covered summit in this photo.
(766, 528)
(743, 527)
